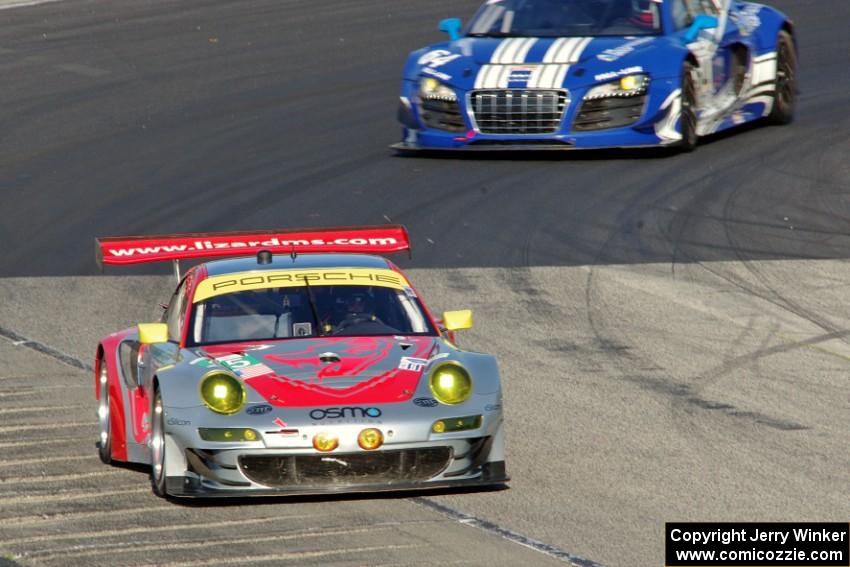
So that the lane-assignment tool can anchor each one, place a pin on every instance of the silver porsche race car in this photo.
(306, 365)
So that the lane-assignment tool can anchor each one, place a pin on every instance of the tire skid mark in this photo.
(91, 550)
(682, 395)
(41, 442)
(277, 558)
(48, 460)
(64, 517)
(205, 525)
(31, 409)
(64, 425)
(59, 477)
(77, 494)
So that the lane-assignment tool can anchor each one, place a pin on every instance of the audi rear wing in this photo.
(126, 250)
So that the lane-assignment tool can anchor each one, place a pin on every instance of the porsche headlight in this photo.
(450, 383)
(435, 90)
(625, 86)
(223, 393)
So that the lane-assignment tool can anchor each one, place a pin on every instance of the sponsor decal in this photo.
(414, 364)
(492, 407)
(519, 77)
(369, 365)
(280, 423)
(349, 412)
(243, 365)
(133, 250)
(437, 58)
(426, 402)
(302, 329)
(438, 74)
(219, 285)
(615, 53)
(747, 19)
(178, 421)
(260, 409)
(620, 73)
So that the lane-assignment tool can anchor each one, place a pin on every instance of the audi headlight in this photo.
(625, 86)
(435, 90)
(450, 383)
(223, 393)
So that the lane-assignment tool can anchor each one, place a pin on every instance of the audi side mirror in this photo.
(452, 27)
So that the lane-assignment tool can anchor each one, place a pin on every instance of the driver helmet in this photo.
(644, 12)
(358, 303)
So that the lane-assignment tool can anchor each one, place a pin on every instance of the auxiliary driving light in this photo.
(370, 439)
(228, 435)
(223, 393)
(457, 424)
(325, 442)
(450, 383)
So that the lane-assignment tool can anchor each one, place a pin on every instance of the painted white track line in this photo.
(8, 4)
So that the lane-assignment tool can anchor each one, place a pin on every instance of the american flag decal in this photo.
(254, 370)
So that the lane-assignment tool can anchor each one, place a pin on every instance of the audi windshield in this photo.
(563, 18)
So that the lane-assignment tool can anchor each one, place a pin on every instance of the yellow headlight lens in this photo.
(439, 426)
(630, 82)
(450, 383)
(370, 439)
(325, 442)
(223, 393)
(430, 85)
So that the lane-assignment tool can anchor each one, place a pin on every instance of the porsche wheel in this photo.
(104, 444)
(688, 116)
(785, 94)
(158, 446)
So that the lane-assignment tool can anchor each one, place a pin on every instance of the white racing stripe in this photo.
(566, 50)
(513, 50)
(764, 68)
(550, 74)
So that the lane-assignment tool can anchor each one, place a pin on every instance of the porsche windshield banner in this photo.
(124, 250)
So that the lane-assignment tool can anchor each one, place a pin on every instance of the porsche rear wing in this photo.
(126, 250)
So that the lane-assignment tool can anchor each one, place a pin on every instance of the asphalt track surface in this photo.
(672, 329)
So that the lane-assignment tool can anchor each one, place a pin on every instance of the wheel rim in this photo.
(103, 407)
(158, 441)
(784, 76)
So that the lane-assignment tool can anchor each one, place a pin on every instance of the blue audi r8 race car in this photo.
(565, 74)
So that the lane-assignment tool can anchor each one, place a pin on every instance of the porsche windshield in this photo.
(563, 18)
(308, 311)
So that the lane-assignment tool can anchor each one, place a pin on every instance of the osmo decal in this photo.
(345, 413)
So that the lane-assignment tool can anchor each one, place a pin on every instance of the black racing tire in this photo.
(785, 89)
(688, 113)
(158, 477)
(104, 415)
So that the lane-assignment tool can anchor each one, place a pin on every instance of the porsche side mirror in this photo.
(451, 26)
(457, 320)
(701, 22)
(153, 333)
